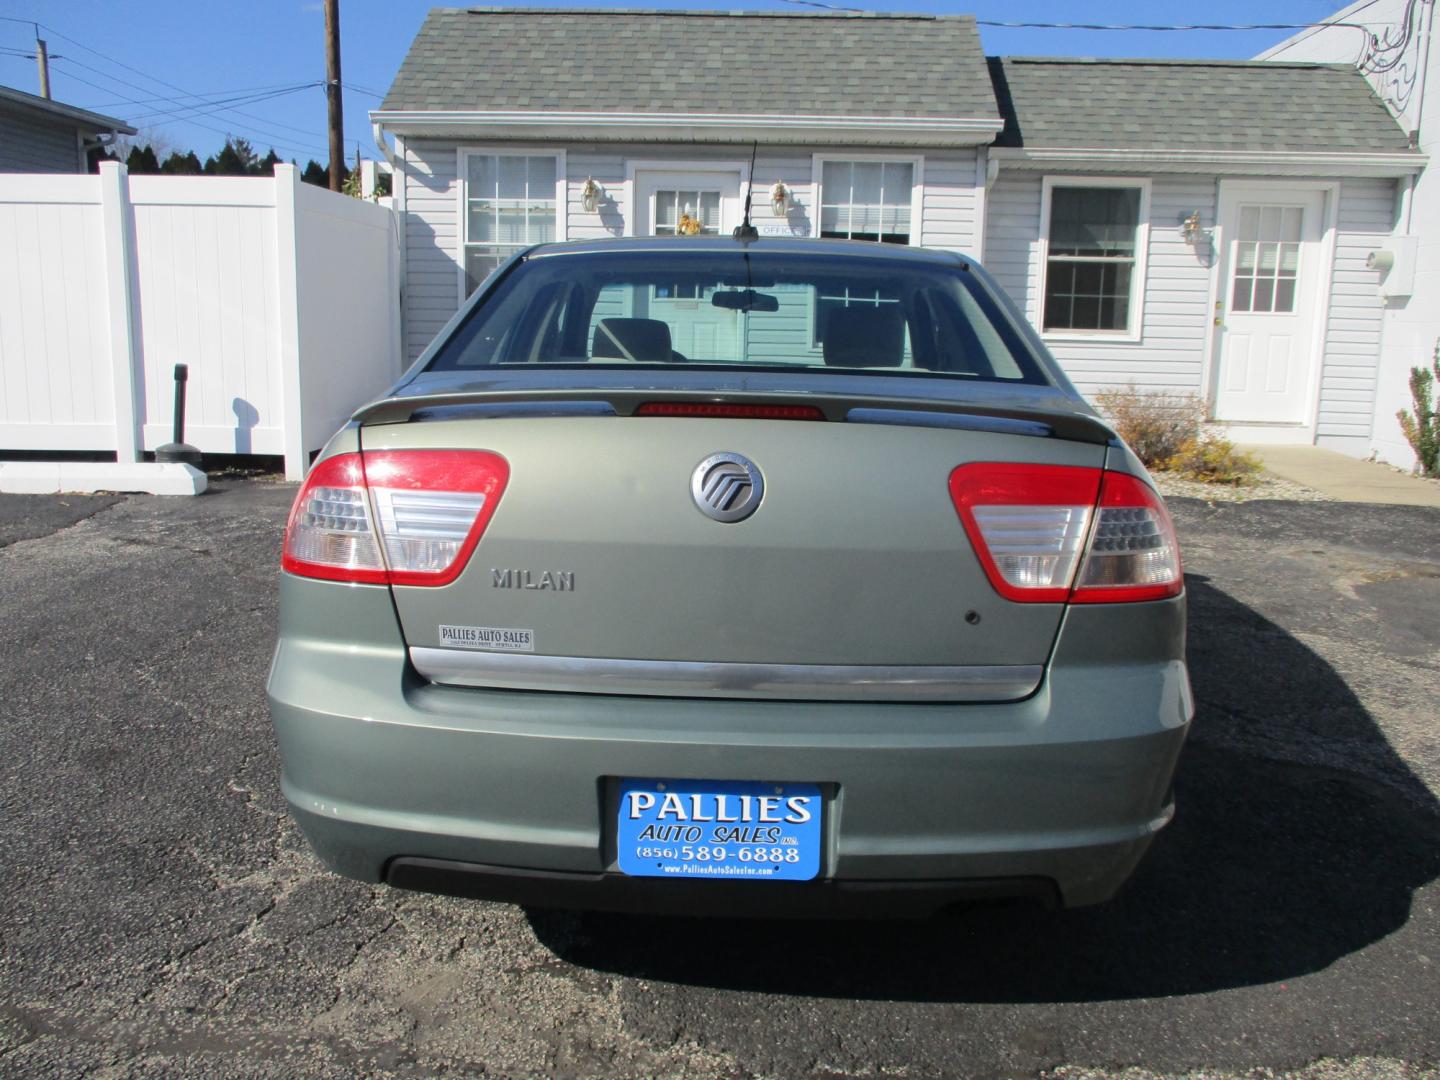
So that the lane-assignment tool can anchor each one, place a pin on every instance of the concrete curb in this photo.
(54, 477)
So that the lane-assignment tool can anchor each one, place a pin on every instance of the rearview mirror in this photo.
(745, 300)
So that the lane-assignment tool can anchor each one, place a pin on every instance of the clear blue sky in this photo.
(137, 60)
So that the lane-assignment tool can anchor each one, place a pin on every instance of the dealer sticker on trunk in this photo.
(488, 637)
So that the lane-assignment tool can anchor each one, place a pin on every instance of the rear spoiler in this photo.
(1045, 418)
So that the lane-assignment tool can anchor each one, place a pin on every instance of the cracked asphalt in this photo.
(161, 916)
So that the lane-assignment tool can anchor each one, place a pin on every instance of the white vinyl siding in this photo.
(432, 208)
(431, 240)
(1352, 335)
(950, 207)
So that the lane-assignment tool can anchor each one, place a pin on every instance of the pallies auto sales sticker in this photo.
(488, 637)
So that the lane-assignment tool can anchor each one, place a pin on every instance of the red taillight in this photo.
(1027, 524)
(1051, 533)
(399, 517)
(732, 412)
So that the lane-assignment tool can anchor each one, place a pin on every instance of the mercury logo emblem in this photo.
(727, 487)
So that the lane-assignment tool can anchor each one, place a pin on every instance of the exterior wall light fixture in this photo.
(1191, 231)
(779, 198)
(590, 195)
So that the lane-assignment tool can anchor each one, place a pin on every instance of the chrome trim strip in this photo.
(670, 678)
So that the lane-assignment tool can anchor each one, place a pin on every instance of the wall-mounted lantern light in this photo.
(779, 198)
(590, 195)
(1191, 230)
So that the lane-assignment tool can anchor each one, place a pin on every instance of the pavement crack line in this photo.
(6, 546)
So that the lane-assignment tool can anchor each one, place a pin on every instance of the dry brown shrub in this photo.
(1156, 424)
(1166, 430)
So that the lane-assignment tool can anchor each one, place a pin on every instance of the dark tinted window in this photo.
(743, 309)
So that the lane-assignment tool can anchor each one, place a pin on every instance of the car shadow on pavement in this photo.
(1300, 837)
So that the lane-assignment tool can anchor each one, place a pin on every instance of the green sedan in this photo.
(705, 576)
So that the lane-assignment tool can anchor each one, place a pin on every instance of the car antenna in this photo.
(745, 232)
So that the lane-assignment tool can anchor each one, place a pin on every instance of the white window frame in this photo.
(462, 175)
(1134, 329)
(917, 187)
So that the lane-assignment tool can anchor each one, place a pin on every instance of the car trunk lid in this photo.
(855, 560)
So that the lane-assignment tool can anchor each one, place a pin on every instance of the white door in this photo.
(682, 204)
(1268, 314)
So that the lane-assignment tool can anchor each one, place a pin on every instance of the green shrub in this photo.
(1166, 430)
(1422, 430)
(1213, 460)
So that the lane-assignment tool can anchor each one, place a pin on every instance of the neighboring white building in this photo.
(1194, 226)
(1390, 42)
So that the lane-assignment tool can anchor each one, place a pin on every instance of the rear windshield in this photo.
(743, 309)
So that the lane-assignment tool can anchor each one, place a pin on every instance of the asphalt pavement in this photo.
(160, 915)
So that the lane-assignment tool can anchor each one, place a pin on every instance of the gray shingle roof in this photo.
(1190, 105)
(695, 62)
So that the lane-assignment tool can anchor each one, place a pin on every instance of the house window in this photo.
(1093, 258)
(867, 200)
(510, 202)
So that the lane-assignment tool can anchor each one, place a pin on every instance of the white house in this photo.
(1195, 226)
(1389, 42)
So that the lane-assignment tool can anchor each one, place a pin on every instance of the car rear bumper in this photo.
(510, 794)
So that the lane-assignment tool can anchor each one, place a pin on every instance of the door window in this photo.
(686, 213)
(1267, 259)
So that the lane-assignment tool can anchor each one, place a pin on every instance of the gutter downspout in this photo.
(398, 215)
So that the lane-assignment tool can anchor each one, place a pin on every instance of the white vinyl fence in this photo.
(281, 297)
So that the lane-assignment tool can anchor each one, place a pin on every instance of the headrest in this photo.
(864, 335)
(645, 340)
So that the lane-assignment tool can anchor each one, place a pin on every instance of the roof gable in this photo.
(1249, 106)
(733, 63)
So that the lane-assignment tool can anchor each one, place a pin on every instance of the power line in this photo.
(1142, 26)
(362, 90)
(201, 99)
(1160, 27)
(182, 106)
(210, 109)
(262, 133)
(172, 86)
(306, 150)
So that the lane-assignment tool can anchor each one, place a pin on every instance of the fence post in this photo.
(126, 376)
(287, 278)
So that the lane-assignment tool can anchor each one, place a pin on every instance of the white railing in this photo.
(283, 300)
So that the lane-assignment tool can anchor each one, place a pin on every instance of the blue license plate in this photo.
(718, 829)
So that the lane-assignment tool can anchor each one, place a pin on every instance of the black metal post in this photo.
(182, 375)
(179, 450)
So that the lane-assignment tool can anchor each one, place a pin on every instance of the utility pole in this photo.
(332, 92)
(42, 58)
